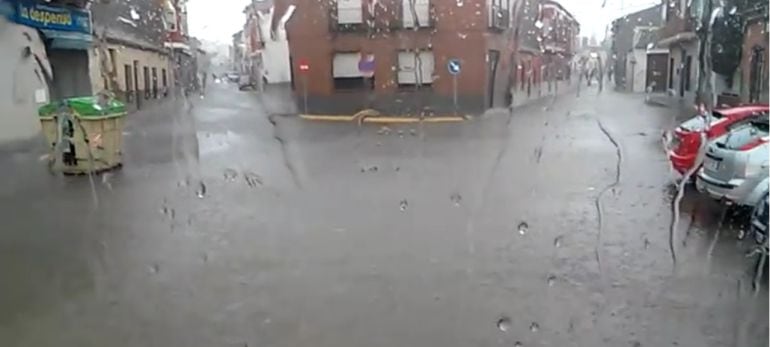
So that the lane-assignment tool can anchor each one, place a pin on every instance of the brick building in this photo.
(410, 54)
(560, 32)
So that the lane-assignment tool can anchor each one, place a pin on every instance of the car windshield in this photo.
(744, 133)
(350, 173)
(699, 122)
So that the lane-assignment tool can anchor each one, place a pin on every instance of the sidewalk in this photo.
(684, 109)
(541, 91)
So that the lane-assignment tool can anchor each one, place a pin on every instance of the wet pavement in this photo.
(228, 227)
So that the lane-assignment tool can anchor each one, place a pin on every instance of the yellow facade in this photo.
(120, 57)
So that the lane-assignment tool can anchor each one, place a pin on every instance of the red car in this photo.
(686, 139)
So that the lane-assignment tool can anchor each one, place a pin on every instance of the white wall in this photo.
(21, 91)
(692, 50)
(275, 55)
(276, 61)
(639, 77)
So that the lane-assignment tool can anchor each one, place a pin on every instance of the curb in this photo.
(382, 119)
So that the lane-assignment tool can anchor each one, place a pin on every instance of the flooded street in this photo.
(231, 224)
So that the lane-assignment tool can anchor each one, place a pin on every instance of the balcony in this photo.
(678, 28)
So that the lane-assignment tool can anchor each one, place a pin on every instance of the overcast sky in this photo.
(217, 20)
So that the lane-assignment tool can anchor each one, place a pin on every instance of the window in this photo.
(499, 14)
(412, 70)
(164, 80)
(146, 75)
(128, 80)
(349, 12)
(155, 83)
(346, 74)
(421, 8)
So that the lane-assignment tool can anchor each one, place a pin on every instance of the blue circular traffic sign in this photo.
(453, 66)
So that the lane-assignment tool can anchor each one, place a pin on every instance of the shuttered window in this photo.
(349, 11)
(421, 7)
(408, 67)
(346, 65)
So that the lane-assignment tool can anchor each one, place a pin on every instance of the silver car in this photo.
(735, 167)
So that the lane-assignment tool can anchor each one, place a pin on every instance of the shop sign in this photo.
(42, 16)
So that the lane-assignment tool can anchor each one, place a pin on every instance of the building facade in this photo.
(129, 57)
(45, 56)
(754, 57)
(390, 56)
(237, 49)
(560, 32)
(678, 35)
(625, 34)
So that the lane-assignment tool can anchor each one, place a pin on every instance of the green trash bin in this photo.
(85, 133)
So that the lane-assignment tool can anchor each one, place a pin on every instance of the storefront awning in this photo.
(678, 38)
(67, 39)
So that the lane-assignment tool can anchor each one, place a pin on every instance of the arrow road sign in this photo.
(366, 65)
(453, 66)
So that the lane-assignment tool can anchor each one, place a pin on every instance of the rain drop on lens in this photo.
(534, 327)
(404, 205)
(201, 191)
(517, 344)
(523, 228)
(456, 199)
(230, 175)
(504, 324)
(252, 180)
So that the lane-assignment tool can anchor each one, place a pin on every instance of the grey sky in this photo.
(217, 20)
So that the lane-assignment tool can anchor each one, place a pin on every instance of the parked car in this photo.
(736, 164)
(686, 140)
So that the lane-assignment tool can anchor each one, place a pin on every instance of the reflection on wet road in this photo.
(226, 228)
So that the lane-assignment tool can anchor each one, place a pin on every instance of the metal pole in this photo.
(454, 93)
(304, 88)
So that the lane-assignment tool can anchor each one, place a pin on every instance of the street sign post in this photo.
(304, 68)
(366, 67)
(454, 67)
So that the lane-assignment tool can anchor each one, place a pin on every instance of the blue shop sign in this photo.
(54, 18)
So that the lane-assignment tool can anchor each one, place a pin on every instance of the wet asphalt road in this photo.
(224, 230)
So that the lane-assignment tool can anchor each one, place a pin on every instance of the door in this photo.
(757, 66)
(492, 58)
(155, 83)
(70, 73)
(671, 73)
(657, 65)
(146, 84)
(136, 85)
(128, 82)
(683, 74)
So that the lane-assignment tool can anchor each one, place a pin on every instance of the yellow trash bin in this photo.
(86, 135)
